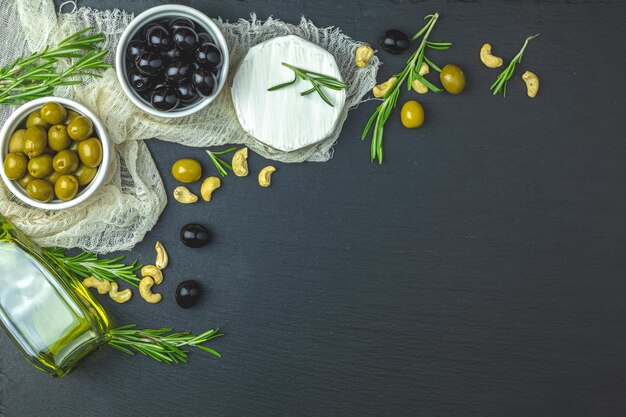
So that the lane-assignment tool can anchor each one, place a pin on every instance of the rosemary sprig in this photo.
(87, 264)
(36, 75)
(219, 163)
(158, 345)
(500, 84)
(317, 81)
(410, 73)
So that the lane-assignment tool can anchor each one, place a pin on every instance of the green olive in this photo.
(16, 142)
(53, 113)
(53, 177)
(90, 152)
(85, 174)
(15, 165)
(58, 139)
(25, 180)
(80, 128)
(452, 79)
(34, 119)
(66, 187)
(40, 166)
(65, 161)
(40, 190)
(187, 170)
(71, 115)
(412, 114)
(35, 141)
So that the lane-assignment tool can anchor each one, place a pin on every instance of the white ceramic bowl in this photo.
(169, 11)
(18, 120)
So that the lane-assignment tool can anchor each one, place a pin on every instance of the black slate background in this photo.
(480, 271)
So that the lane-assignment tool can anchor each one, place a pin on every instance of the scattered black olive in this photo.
(179, 22)
(395, 41)
(204, 37)
(164, 99)
(138, 81)
(149, 63)
(177, 72)
(187, 293)
(204, 82)
(158, 38)
(185, 38)
(194, 235)
(209, 56)
(135, 47)
(187, 93)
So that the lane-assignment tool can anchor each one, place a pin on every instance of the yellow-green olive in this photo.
(65, 161)
(66, 187)
(80, 128)
(412, 114)
(35, 141)
(53, 177)
(23, 182)
(16, 142)
(85, 174)
(90, 152)
(34, 119)
(452, 79)
(53, 113)
(15, 165)
(40, 190)
(187, 170)
(58, 139)
(71, 115)
(40, 166)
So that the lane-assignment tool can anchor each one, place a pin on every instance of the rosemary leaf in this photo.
(317, 81)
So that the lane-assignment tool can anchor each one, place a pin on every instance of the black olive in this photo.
(209, 56)
(134, 48)
(185, 38)
(158, 38)
(149, 63)
(179, 22)
(175, 54)
(139, 82)
(187, 93)
(395, 41)
(204, 37)
(204, 81)
(164, 99)
(147, 27)
(194, 235)
(187, 293)
(177, 72)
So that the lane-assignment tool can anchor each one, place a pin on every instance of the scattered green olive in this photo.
(35, 141)
(187, 170)
(66, 187)
(53, 113)
(80, 128)
(452, 79)
(412, 114)
(85, 174)
(58, 138)
(65, 161)
(15, 165)
(16, 142)
(40, 190)
(40, 166)
(90, 152)
(35, 119)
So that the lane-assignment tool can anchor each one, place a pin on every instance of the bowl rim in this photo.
(18, 116)
(161, 11)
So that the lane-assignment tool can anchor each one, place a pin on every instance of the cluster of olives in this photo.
(55, 155)
(173, 64)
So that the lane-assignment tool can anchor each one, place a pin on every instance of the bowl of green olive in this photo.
(55, 153)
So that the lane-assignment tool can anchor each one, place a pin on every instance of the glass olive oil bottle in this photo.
(53, 320)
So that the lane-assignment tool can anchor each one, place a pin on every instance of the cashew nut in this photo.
(145, 290)
(154, 272)
(161, 259)
(363, 55)
(184, 196)
(381, 89)
(265, 176)
(103, 287)
(119, 296)
(418, 86)
(208, 186)
(532, 83)
(489, 60)
(240, 162)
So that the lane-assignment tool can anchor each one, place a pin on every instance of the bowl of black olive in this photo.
(172, 61)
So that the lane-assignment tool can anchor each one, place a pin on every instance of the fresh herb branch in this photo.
(500, 84)
(36, 75)
(317, 81)
(410, 73)
(219, 163)
(87, 264)
(158, 345)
